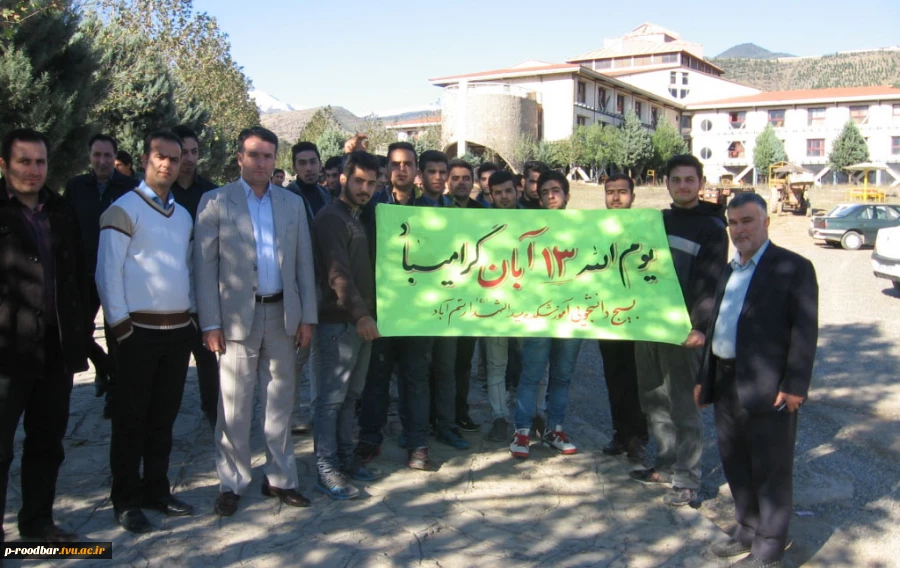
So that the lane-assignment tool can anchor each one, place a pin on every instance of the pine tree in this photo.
(321, 121)
(849, 148)
(769, 149)
(667, 142)
(637, 146)
(330, 142)
(46, 68)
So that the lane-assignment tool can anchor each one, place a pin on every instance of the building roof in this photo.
(648, 28)
(634, 47)
(514, 71)
(774, 98)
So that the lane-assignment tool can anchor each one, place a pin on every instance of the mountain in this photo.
(857, 69)
(266, 103)
(750, 51)
(287, 125)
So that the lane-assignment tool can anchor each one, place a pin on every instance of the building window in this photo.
(858, 114)
(737, 118)
(601, 98)
(706, 125)
(642, 61)
(815, 147)
(673, 78)
(670, 58)
(895, 145)
(620, 103)
(638, 108)
(581, 120)
(622, 62)
(896, 114)
(685, 122)
(654, 116)
(776, 118)
(736, 150)
(682, 93)
(603, 64)
(816, 117)
(684, 78)
(581, 96)
(706, 153)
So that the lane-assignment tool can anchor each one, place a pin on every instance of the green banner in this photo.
(518, 273)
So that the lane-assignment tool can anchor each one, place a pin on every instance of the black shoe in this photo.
(101, 384)
(538, 427)
(134, 520)
(303, 428)
(614, 448)
(634, 450)
(226, 503)
(170, 506)
(367, 451)
(466, 424)
(49, 533)
(290, 497)
(499, 431)
(729, 548)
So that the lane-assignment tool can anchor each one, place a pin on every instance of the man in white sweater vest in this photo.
(144, 280)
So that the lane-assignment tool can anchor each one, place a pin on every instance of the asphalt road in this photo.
(847, 471)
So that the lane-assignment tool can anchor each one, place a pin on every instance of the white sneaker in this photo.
(558, 440)
(519, 445)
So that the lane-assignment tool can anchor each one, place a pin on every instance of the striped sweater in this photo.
(144, 264)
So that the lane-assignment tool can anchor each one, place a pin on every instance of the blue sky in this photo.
(374, 56)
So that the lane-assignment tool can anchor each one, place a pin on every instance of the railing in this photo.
(494, 89)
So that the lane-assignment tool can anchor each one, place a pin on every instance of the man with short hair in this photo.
(460, 183)
(307, 166)
(278, 177)
(124, 164)
(44, 337)
(757, 367)
(531, 199)
(257, 305)
(433, 173)
(90, 195)
(484, 174)
(666, 373)
(619, 371)
(146, 287)
(188, 188)
(346, 325)
(383, 182)
(332, 171)
(561, 354)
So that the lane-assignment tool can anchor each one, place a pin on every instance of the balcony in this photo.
(494, 89)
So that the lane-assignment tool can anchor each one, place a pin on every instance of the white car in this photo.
(886, 257)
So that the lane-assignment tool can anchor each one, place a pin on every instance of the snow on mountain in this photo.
(266, 103)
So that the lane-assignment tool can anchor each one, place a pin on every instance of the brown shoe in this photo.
(226, 503)
(290, 497)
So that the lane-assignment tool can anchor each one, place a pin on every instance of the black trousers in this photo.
(207, 375)
(758, 460)
(43, 399)
(620, 372)
(465, 350)
(152, 365)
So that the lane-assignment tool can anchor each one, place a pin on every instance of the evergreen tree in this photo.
(768, 150)
(330, 142)
(380, 136)
(849, 148)
(551, 153)
(637, 146)
(428, 139)
(46, 68)
(321, 120)
(667, 142)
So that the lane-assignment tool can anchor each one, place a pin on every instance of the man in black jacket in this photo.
(757, 367)
(187, 190)
(666, 373)
(90, 194)
(44, 302)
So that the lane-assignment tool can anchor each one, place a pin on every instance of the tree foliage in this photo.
(849, 148)
(667, 142)
(380, 136)
(428, 139)
(768, 150)
(637, 145)
(46, 70)
(197, 54)
(331, 142)
(322, 120)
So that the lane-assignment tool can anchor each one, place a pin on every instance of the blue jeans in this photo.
(344, 360)
(562, 354)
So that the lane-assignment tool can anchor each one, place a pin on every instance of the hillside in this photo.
(287, 125)
(750, 51)
(839, 70)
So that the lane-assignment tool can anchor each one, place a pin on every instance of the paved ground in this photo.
(484, 506)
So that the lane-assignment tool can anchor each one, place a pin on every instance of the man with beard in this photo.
(530, 198)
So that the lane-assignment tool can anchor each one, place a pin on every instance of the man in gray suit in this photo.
(256, 284)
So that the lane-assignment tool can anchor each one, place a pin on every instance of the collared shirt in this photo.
(150, 194)
(724, 340)
(37, 223)
(268, 270)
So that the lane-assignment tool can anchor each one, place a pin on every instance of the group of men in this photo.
(260, 281)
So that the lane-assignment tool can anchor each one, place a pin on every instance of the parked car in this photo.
(886, 257)
(852, 225)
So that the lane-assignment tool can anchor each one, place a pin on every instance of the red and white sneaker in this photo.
(519, 445)
(558, 440)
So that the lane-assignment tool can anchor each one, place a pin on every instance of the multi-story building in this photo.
(723, 132)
